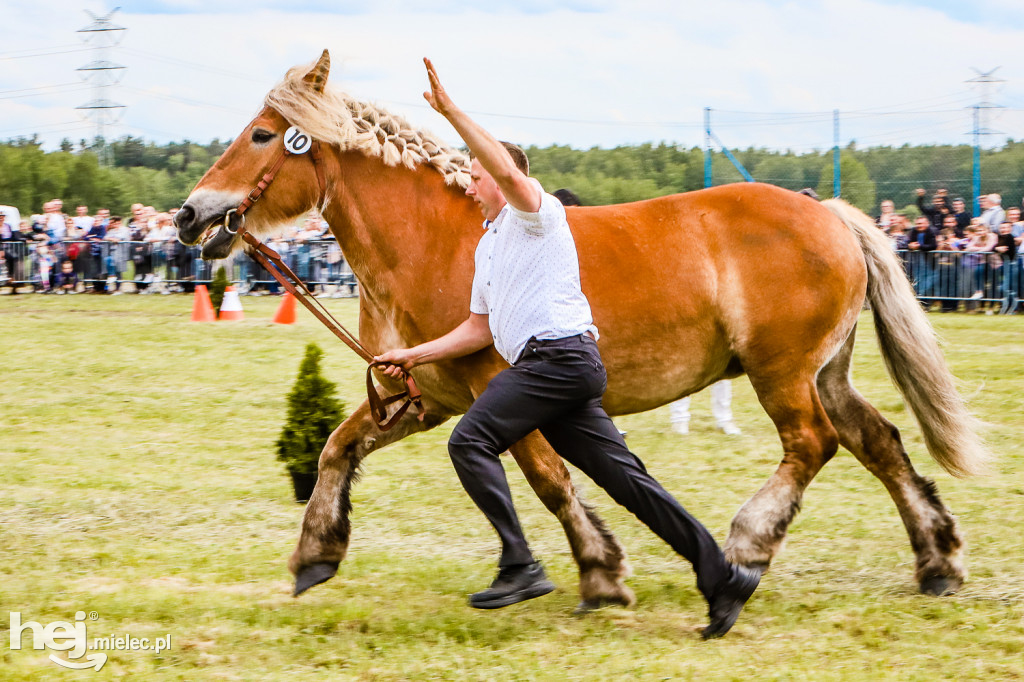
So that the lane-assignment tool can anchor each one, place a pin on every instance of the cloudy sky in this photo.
(575, 72)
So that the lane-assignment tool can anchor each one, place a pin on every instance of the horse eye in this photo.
(260, 136)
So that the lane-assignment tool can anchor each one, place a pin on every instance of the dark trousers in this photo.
(557, 386)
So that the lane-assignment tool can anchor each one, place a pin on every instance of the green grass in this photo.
(139, 482)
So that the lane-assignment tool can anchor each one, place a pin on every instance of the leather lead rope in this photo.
(273, 264)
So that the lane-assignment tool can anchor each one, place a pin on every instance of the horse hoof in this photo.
(940, 586)
(590, 605)
(587, 606)
(314, 574)
(759, 567)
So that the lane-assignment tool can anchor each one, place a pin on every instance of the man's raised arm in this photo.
(519, 191)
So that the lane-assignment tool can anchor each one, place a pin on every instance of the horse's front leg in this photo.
(600, 557)
(325, 525)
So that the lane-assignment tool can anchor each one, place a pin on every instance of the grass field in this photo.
(139, 483)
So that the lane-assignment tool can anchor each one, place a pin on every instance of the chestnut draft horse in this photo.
(686, 290)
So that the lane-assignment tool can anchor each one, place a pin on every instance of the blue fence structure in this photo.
(944, 280)
(169, 266)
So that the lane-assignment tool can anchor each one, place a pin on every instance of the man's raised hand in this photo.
(437, 97)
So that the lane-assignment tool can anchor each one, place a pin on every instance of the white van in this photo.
(11, 216)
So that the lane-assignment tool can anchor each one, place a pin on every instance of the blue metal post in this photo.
(976, 179)
(732, 158)
(837, 182)
(707, 147)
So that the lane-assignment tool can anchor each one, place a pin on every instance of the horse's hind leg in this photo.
(790, 398)
(876, 444)
(600, 557)
(323, 541)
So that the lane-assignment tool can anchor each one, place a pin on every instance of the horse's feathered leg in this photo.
(808, 442)
(600, 557)
(325, 525)
(876, 444)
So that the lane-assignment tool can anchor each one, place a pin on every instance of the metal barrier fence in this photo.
(168, 266)
(947, 279)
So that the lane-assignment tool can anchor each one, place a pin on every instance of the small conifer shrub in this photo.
(314, 412)
(217, 286)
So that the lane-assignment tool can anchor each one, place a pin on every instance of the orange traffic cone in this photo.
(202, 308)
(286, 311)
(231, 306)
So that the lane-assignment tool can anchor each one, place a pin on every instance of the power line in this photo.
(35, 49)
(548, 119)
(194, 65)
(44, 54)
(67, 87)
(167, 134)
(183, 100)
(48, 128)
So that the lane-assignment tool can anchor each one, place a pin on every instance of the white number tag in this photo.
(296, 141)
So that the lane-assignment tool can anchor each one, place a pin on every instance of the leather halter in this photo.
(273, 264)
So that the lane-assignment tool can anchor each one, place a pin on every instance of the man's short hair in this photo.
(518, 156)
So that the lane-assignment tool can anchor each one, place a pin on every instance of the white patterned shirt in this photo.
(527, 278)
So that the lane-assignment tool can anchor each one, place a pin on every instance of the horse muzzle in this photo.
(207, 227)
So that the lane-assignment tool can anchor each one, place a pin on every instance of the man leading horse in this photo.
(526, 300)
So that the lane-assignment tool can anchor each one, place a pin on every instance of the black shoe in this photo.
(724, 608)
(513, 585)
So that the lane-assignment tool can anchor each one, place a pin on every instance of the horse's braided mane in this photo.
(334, 117)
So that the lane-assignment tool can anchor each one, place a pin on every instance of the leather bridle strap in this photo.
(277, 268)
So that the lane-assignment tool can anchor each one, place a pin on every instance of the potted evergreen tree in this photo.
(313, 413)
(219, 283)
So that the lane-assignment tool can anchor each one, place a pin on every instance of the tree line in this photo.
(868, 176)
(138, 171)
(163, 175)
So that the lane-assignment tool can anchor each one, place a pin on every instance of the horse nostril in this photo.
(184, 216)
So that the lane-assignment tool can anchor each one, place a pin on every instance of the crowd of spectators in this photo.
(53, 252)
(952, 255)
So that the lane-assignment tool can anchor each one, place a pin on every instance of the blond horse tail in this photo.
(912, 354)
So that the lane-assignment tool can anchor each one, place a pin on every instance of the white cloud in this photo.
(596, 72)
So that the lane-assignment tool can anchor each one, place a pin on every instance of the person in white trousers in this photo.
(721, 409)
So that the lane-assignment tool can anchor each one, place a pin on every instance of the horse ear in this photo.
(317, 76)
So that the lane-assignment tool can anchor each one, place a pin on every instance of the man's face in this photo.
(950, 221)
(983, 202)
(1013, 215)
(82, 210)
(887, 207)
(485, 191)
(921, 224)
(958, 206)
